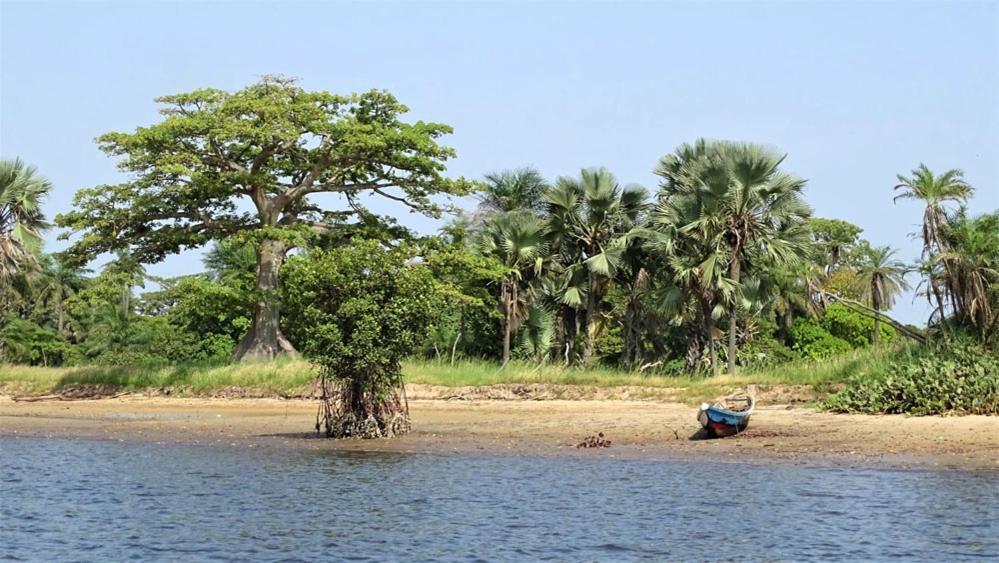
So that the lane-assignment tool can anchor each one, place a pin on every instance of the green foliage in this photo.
(765, 351)
(813, 341)
(24, 342)
(214, 148)
(853, 327)
(960, 378)
(834, 238)
(210, 308)
(22, 190)
(357, 311)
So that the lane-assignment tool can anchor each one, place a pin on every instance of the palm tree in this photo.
(22, 190)
(587, 215)
(881, 278)
(60, 280)
(517, 239)
(970, 269)
(935, 191)
(511, 190)
(128, 273)
(746, 207)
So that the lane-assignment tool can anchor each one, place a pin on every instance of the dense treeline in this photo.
(720, 265)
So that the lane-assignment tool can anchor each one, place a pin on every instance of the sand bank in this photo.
(638, 429)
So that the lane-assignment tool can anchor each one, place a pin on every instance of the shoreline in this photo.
(638, 430)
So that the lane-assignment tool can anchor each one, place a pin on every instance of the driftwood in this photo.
(58, 397)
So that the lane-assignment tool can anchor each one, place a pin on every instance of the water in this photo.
(106, 501)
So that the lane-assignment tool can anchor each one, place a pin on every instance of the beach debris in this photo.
(597, 441)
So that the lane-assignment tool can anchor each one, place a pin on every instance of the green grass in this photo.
(291, 377)
(279, 378)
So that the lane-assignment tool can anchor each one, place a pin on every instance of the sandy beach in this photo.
(638, 429)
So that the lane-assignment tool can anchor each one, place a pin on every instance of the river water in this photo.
(108, 501)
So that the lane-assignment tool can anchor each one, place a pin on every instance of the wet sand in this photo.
(637, 429)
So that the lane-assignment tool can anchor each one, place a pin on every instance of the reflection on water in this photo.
(62, 499)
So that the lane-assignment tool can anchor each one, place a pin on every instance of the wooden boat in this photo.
(727, 417)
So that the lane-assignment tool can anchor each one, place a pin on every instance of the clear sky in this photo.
(853, 92)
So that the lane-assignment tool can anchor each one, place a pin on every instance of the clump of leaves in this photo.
(356, 312)
(960, 378)
(812, 341)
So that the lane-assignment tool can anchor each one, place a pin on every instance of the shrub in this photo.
(24, 342)
(356, 312)
(765, 351)
(853, 327)
(962, 378)
(813, 341)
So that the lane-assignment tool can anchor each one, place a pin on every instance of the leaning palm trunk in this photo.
(353, 410)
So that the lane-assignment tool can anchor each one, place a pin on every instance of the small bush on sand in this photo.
(962, 378)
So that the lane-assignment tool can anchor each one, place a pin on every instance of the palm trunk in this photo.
(591, 310)
(507, 318)
(60, 318)
(264, 340)
(733, 320)
(709, 332)
(876, 339)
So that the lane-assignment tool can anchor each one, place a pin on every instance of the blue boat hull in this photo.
(721, 422)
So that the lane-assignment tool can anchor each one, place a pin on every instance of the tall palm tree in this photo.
(22, 190)
(517, 239)
(881, 278)
(587, 215)
(748, 207)
(936, 192)
(511, 190)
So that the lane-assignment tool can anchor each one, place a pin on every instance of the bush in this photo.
(962, 378)
(765, 351)
(24, 342)
(853, 327)
(813, 341)
(356, 312)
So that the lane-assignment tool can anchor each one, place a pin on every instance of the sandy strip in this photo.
(638, 429)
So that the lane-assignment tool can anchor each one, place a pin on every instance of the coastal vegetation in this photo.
(718, 276)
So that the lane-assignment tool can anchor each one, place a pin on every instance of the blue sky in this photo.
(853, 92)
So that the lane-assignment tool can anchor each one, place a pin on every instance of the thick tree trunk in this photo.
(264, 340)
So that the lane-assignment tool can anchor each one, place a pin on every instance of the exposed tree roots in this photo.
(348, 410)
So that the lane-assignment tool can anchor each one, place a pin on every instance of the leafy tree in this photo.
(357, 311)
(467, 278)
(22, 190)
(881, 278)
(852, 326)
(935, 191)
(28, 343)
(272, 144)
(835, 238)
